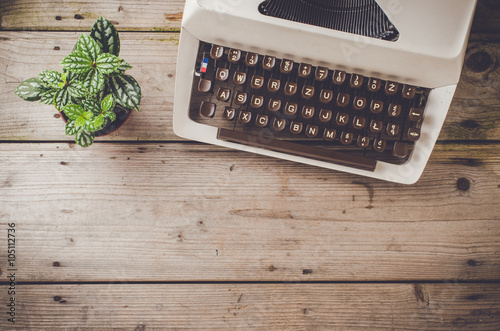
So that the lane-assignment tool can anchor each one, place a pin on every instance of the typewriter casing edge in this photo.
(436, 110)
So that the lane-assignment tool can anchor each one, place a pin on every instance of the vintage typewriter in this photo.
(361, 86)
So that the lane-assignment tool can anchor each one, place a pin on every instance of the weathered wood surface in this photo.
(128, 15)
(147, 212)
(292, 306)
(145, 230)
(474, 114)
(146, 15)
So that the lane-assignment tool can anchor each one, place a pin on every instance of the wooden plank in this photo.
(441, 306)
(474, 114)
(128, 15)
(148, 212)
(476, 95)
(487, 18)
(148, 15)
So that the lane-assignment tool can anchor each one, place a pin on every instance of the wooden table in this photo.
(146, 231)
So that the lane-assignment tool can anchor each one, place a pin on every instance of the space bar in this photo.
(298, 149)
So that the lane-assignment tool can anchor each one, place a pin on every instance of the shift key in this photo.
(416, 114)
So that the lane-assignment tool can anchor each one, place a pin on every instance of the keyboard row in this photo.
(345, 135)
(207, 109)
(301, 70)
(360, 103)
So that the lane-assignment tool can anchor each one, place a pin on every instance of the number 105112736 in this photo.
(11, 245)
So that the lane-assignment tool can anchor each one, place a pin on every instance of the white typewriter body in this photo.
(429, 53)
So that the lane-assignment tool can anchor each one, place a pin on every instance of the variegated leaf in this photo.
(72, 75)
(111, 115)
(124, 66)
(92, 105)
(73, 111)
(77, 90)
(106, 36)
(93, 81)
(77, 62)
(31, 89)
(107, 63)
(48, 97)
(89, 46)
(126, 91)
(62, 98)
(70, 128)
(105, 90)
(52, 78)
(84, 138)
(90, 126)
(107, 103)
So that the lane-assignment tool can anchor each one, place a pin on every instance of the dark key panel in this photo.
(276, 99)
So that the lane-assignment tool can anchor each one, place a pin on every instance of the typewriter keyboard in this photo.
(301, 109)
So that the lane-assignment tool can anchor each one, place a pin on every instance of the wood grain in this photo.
(487, 18)
(474, 114)
(193, 212)
(129, 15)
(146, 15)
(286, 306)
(147, 231)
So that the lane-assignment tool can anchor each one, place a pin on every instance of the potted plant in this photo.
(92, 93)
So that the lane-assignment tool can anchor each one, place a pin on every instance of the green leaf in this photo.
(99, 121)
(77, 62)
(71, 76)
(93, 81)
(92, 105)
(84, 138)
(91, 125)
(89, 46)
(124, 66)
(77, 90)
(110, 115)
(70, 128)
(64, 77)
(62, 98)
(107, 63)
(106, 36)
(48, 97)
(105, 91)
(108, 103)
(75, 48)
(31, 89)
(88, 115)
(73, 111)
(51, 78)
(80, 121)
(62, 84)
(81, 117)
(126, 91)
